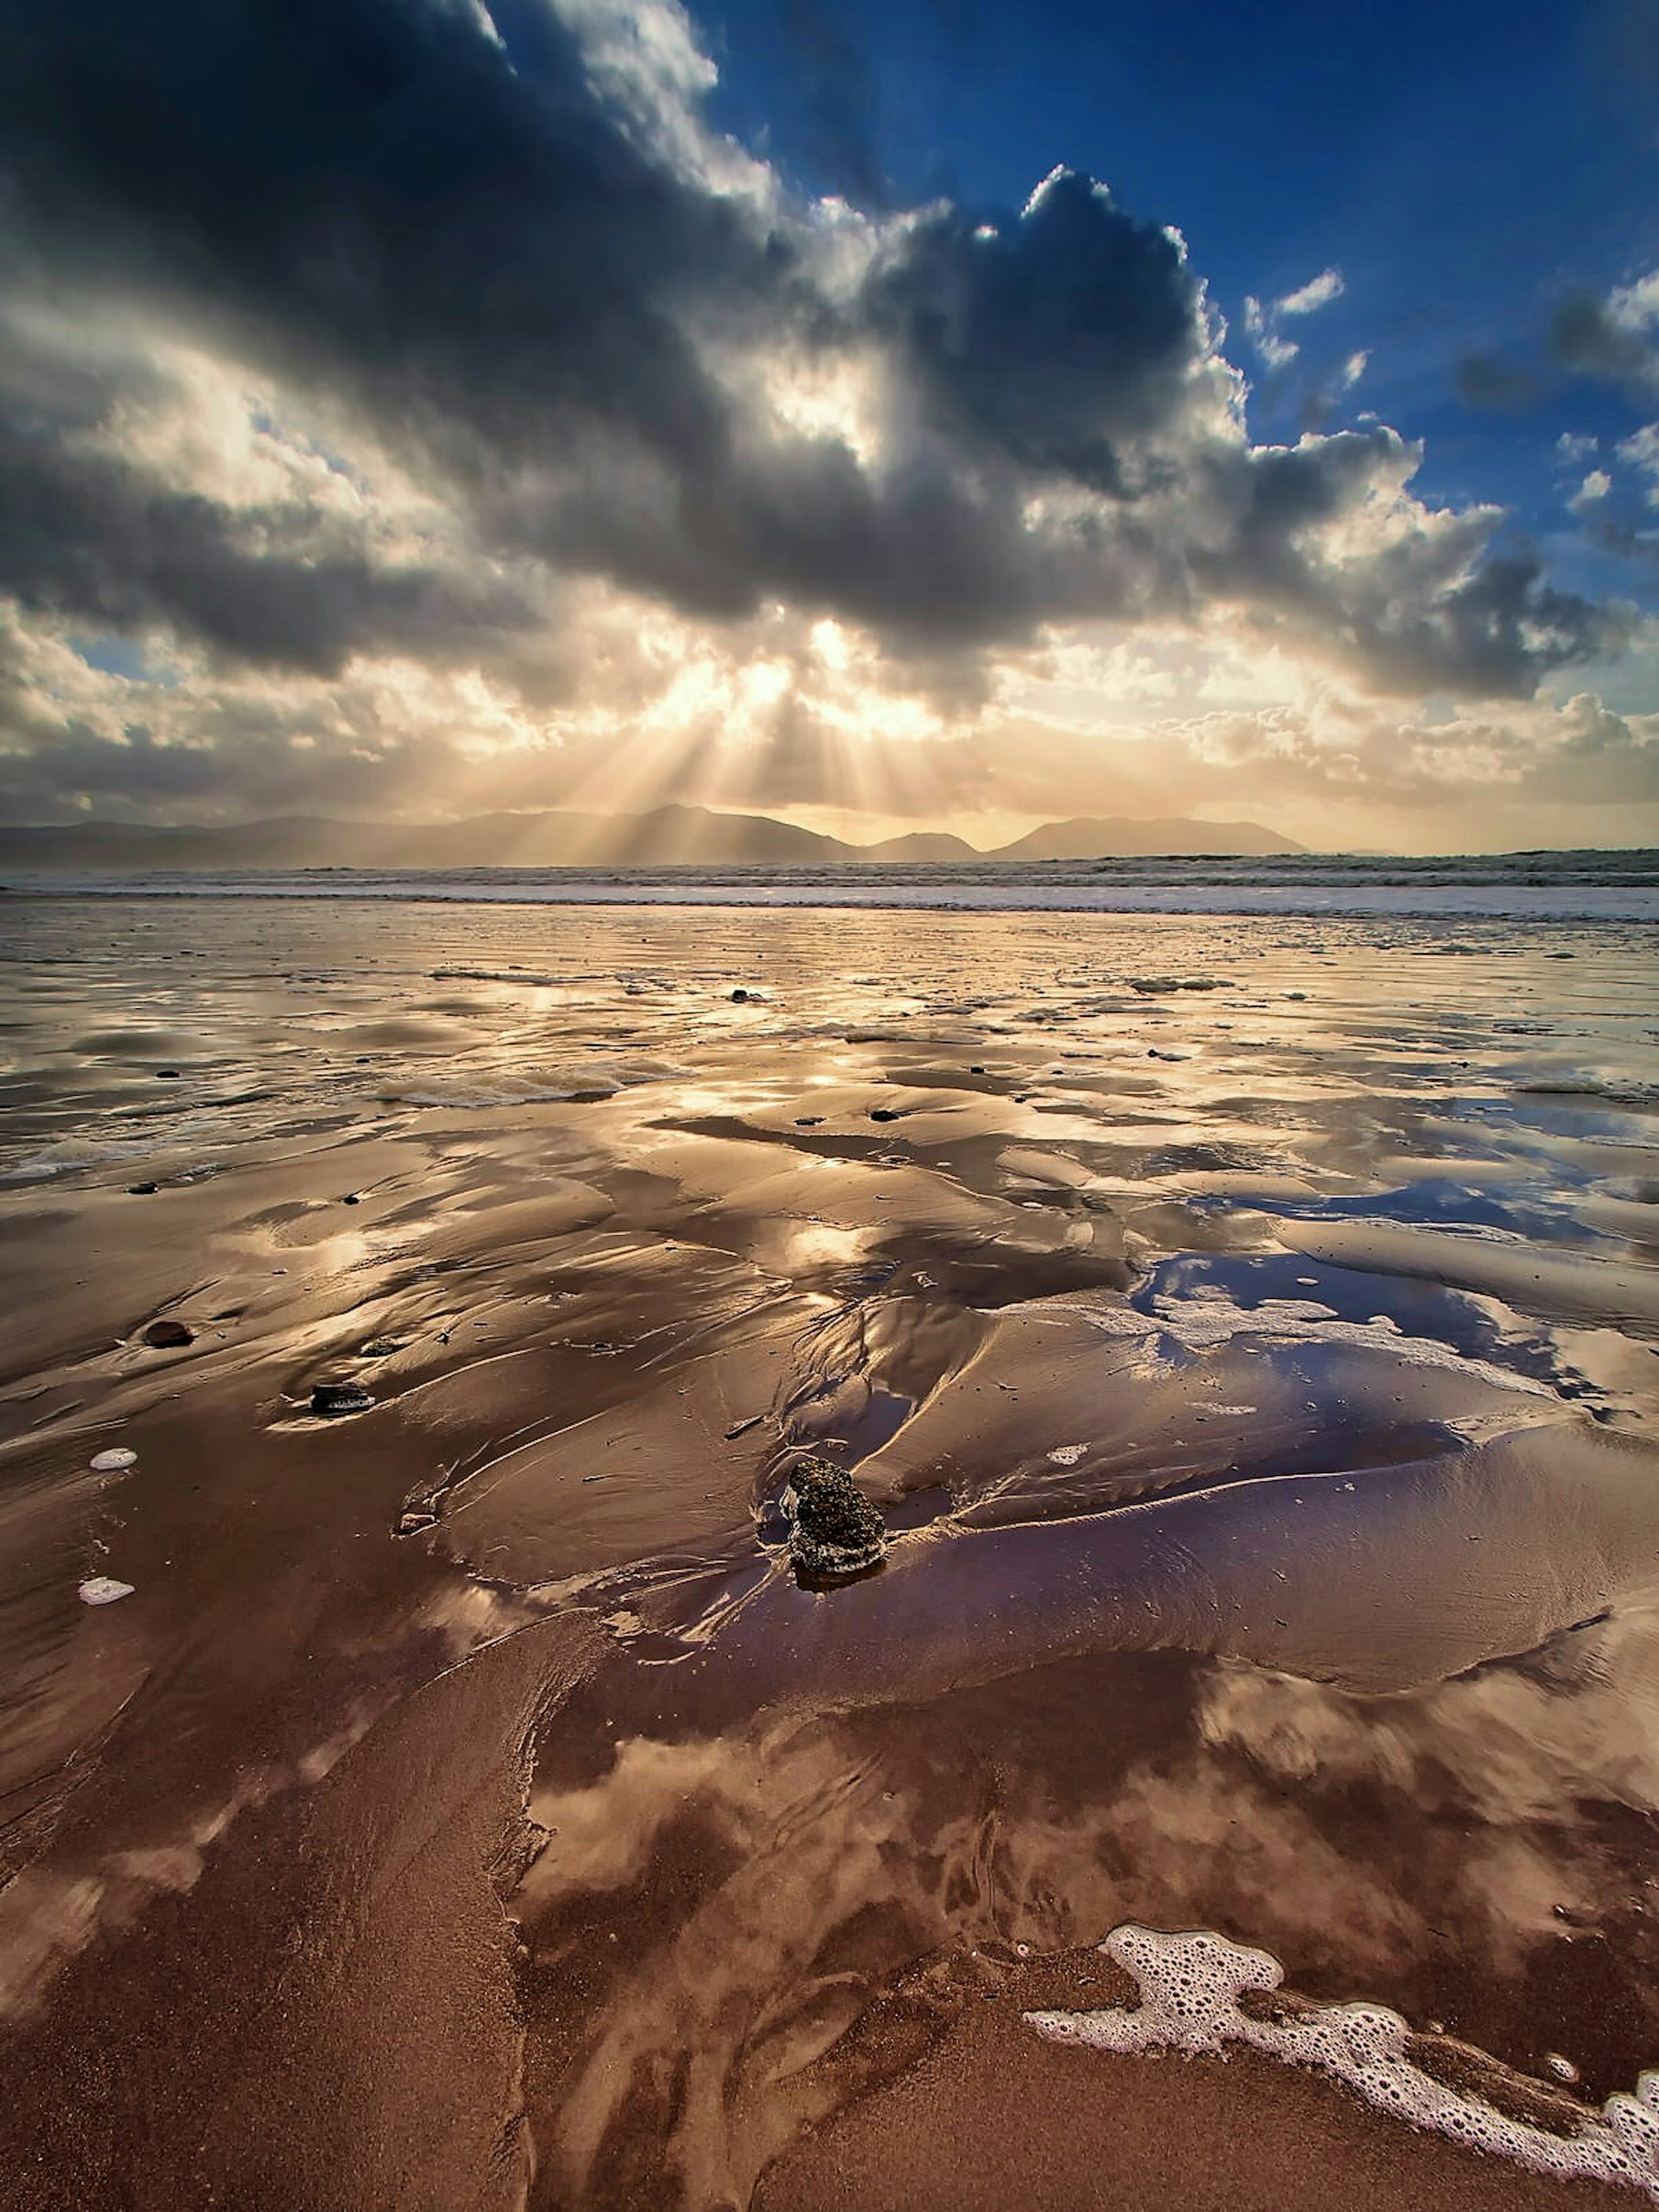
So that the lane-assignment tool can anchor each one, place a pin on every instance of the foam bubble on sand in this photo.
(1190, 1988)
(103, 1589)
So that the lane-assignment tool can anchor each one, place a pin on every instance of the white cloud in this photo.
(1318, 292)
(1636, 307)
(1590, 494)
(1263, 325)
(1641, 450)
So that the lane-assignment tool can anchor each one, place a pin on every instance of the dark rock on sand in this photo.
(884, 1113)
(333, 1398)
(168, 1335)
(142, 1189)
(167, 1075)
(835, 1530)
(351, 1199)
(1153, 986)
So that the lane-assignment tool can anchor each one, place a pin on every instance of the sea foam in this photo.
(1191, 1985)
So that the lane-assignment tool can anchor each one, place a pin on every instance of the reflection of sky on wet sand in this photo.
(1258, 1379)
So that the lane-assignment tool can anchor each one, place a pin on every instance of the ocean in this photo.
(1561, 886)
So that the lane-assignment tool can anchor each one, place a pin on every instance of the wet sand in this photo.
(1247, 1328)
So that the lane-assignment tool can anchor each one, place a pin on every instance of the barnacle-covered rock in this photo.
(835, 1531)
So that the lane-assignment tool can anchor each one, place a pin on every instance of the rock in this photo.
(351, 1199)
(411, 1523)
(168, 1335)
(835, 1530)
(1150, 985)
(884, 1113)
(332, 1399)
(142, 1189)
(977, 1070)
(167, 1075)
(739, 996)
(809, 1120)
(115, 1460)
(382, 1347)
(101, 1590)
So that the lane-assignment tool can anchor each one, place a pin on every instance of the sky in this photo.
(914, 414)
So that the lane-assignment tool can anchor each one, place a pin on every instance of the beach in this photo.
(1244, 1323)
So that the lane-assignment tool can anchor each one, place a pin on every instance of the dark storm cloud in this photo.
(1492, 635)
(1410, 615)
(85, 536)
(1061, 347)
(375, 190)
(1057, 338)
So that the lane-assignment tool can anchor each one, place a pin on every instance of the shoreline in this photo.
(1586, 906)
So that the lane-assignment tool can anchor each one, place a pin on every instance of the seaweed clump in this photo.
(835, 1531)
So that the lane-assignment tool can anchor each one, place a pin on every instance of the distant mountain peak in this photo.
(673, 834)
(1120, 837)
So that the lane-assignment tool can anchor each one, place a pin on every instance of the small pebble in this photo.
(142, 1189)
(330, 1399)
(115, 1461)
(1563, 2068)
(168, 1335)
(101, 1589)
(167, 1075)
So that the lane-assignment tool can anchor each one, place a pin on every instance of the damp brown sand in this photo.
(987, 2117)
(468, 1806)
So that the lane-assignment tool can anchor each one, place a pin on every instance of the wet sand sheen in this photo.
(1258, 1385)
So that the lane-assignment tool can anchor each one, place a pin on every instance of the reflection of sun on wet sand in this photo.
(472, 1802)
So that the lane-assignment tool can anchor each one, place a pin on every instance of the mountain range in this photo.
(667, 835)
